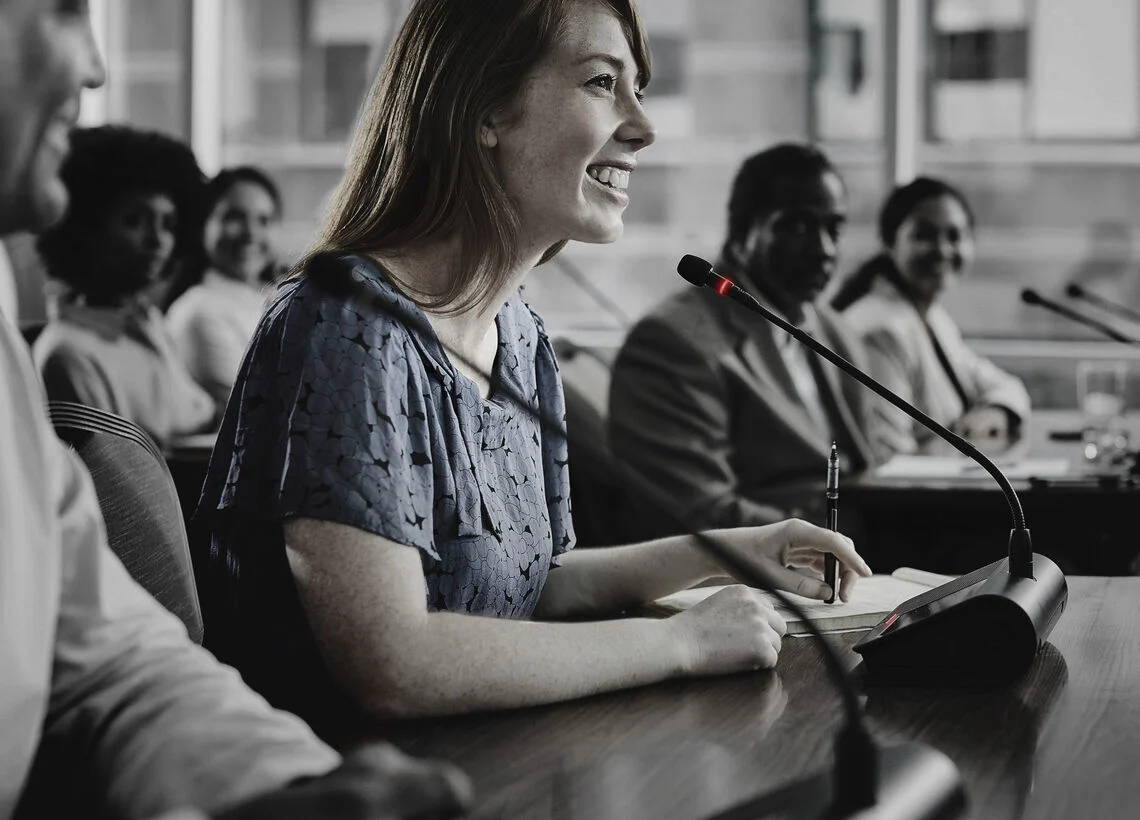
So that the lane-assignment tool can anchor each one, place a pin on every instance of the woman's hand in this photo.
(985, 425)
(733, 630)
(796, 543)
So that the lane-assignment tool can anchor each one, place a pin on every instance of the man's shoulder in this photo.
(690, 314)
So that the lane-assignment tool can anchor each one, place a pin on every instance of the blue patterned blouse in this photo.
(347, 409)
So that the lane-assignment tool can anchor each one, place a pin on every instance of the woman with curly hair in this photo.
(108, 347)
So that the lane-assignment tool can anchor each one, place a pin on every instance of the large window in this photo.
(1032, 107)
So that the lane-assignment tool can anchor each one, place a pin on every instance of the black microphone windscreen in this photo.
(1030, 297)
(1075, 291)
(695, 270)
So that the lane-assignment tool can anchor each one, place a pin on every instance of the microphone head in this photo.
(694, 270)
(1074, 291)
(1030, 297)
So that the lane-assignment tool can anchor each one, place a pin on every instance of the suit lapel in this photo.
(833, 386)
(760, 367)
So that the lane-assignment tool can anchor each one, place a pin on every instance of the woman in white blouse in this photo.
(914, 346)
(213, 321)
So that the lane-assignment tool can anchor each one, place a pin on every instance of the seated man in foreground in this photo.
(722, 409)
(127, 716)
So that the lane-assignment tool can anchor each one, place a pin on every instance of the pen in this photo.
(830, 564)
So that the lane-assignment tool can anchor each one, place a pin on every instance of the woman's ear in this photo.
(488, 134)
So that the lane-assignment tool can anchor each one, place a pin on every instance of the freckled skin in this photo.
(566, 120)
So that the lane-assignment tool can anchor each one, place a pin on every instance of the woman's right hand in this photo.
(733, 630)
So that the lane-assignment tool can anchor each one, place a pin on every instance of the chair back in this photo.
(140, 506)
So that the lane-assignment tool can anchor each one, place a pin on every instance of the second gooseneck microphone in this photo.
(1032, 297)
(1075, 291)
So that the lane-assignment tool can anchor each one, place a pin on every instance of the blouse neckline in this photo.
(424, 333)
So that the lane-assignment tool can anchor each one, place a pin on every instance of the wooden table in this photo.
(1064, 742)
(1085, 524)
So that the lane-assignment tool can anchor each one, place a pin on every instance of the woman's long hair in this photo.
(898, 207)
(417, 170)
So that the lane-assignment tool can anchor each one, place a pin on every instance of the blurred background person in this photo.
(213, 321)
(108, 345)
(719, 407)
(915, 347)
(106, 704)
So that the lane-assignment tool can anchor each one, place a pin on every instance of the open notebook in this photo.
(872, 599)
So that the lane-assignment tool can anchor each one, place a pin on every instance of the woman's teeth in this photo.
(609, 176)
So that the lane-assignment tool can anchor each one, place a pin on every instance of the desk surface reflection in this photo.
(1060, 743)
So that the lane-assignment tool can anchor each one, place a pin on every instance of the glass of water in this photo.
(1100, 395)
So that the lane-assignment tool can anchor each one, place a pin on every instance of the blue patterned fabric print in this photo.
(347, 409)
(346, 413)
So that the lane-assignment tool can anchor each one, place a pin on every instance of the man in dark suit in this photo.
(725, 413)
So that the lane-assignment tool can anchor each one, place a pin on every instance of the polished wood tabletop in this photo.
(1063, 742)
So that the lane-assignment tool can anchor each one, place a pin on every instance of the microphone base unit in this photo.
(916, 783)
(978, 631)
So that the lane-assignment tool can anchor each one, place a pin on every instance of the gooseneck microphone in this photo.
(1075, 291)
(864, 778)
(982, 628)
(1032, 297)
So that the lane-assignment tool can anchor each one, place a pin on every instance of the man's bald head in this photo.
(47, 57)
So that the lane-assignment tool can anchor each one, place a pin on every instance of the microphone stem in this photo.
(1110, 332)
(1112, 307)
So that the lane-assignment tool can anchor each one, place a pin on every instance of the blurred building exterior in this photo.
(1032, 107)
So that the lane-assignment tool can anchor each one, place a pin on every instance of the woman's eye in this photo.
(606, 82)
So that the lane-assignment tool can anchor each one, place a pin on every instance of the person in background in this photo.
(724, 410)
(394, 528)
(108, 346)
(213, 321)
(123, 713)
(915, 347)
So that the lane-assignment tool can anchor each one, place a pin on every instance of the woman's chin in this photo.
(602, 234)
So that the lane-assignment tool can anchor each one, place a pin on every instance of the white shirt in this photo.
(87, 653)
(122, 359)
(212, 324)
(795, 359)
(903, 358)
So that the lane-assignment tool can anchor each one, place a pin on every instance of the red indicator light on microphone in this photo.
(890, 622)
(724, 285)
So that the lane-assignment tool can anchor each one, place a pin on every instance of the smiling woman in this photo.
(375, 483)
(914, 346)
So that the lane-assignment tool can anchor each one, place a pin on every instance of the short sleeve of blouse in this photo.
(328, 421)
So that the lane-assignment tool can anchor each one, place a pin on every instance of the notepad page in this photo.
(871, 600)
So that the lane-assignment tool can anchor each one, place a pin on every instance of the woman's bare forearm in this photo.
(465, 663)
(605, 580)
